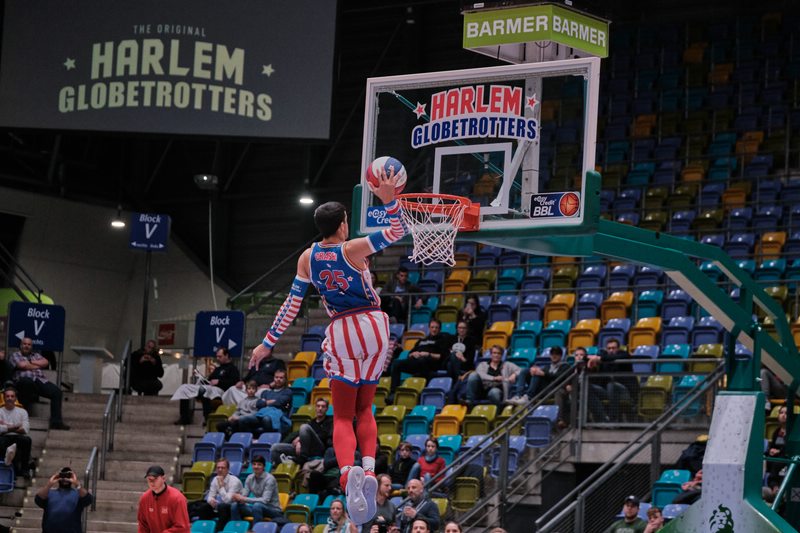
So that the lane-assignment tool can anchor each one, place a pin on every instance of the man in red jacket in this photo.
(162, 509)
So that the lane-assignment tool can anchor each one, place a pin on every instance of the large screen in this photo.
(197, 67)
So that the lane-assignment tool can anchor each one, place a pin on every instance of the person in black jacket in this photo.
(146, 369)
(619, 390)
(531, 381)
(427, 356)
(222, 378)
(261, 370)
(417, 507)
(310, 441)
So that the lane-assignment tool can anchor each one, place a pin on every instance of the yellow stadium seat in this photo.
(645, 332)
(389, 419)
(388, 443)
(449, 420)
(479, 421)
(220, 415)
(706, 351)
(483, 280)
(303, 415)
(466, 493)
(300, 366)
(583, 334)
(654, 396)
(408, 393)
(770, 245)
(559, 307)
(322, 390)
(616, 306)
(457, 280)
(382, 391)
(283, 498)
(286, 474)
(508, 410)
(498, 333)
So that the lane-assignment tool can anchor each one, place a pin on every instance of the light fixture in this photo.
(117, 222)
(206, 182)
(306, 199)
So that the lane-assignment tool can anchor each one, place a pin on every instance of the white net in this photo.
(433, 221)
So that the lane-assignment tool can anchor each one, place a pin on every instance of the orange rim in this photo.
(471, 218)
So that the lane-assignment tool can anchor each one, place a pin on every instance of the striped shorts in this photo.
(355, 347)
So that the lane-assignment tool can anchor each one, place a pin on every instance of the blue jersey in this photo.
(344, 287)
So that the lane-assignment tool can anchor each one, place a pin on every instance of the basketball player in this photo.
(356, 340)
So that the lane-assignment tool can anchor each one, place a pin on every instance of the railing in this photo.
(109, 425)
(124, 377)
(12, 270)
(90, 482)
(569, 514)
(787, 479)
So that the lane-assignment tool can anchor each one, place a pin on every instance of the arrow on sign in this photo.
(20, 334)
(231, 344)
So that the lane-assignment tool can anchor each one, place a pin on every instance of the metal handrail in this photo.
(787, 479)
(26, 279)
(124, 376)
(556, 512)
(107, 437)
(90, 482)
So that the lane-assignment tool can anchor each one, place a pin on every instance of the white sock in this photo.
(368, 463)
(345, 469)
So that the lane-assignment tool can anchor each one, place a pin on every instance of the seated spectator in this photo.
(692, 456)
(630, 522)
(453, 527)
(429, 464)
(31, 382)
(417, 506)
(221, 491)
(338, 521)
(397, 295)
(534, 380)
(274, 406)
(461, 361)
(223, 377)
(259, 369)
(772, 387)
(474, 315)
(14, 430)
(692, 490)
(311, 440)
(245, 407)
(617, 390)
(384, 516)
(426, 357)
(776, 448)
(492, 379)
(400, 471)
(146, 369)
(304, 528)
(655, 520)
(259, 496)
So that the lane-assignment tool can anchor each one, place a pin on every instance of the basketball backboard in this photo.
(517, 139)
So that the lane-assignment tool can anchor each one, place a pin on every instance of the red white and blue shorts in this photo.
(355, 347)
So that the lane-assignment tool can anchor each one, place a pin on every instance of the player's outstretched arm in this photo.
(288, 310)
(361, 248)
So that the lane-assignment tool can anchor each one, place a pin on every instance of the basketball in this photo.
(569, 204)
(387, 162)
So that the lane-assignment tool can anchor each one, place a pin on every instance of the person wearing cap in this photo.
(63, 500)
(162, 509)
(630, 521)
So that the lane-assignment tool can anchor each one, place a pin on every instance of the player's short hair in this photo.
(328, 217)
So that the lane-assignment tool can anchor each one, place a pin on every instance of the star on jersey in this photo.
(349, 278)
(69, 64)
(531, 101)
(267, 70)
(420, 110)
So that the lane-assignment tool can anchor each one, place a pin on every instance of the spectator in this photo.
(259, 496)
(534, 380)
(777, 448)
(417, 506)
(618, 390)
(630, 521)
(452, 527)
(396, 295)
(386, 510)
(161, 507)
(426, 357)
(565, 394)
(245, 407)
(222, 378)
(655, 520)
(392, 352)
(259, 369)
(461, 361)
(492, 379)
(474, 316)
(220, 495)
(692, 456)
(146, 369)
(14, 430)
(400, 471)
(311, 440)
(338, 521)
(304, 528)
(691, 490)
(274, 405)
(63, 500)
(420, 525)
(429, 463)
(32, 383)
(772, 387)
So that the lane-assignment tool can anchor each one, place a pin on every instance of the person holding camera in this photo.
(383, 521)
(63, 500)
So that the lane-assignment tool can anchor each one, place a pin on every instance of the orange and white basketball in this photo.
(569, 204)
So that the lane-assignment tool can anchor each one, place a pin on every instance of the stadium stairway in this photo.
(145, 436)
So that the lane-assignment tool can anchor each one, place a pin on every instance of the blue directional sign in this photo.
(149, 231)
(43, 324)
(218, 329)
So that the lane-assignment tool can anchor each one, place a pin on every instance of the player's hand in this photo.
(259, 353)
(385, 190)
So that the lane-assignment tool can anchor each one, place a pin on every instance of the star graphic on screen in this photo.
(420, 110)
(531, 101)
(69, 63)
(267, 69)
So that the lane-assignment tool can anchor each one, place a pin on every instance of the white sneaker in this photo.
(11, 451)
(285, 459)
(357, 506)
(519, 400)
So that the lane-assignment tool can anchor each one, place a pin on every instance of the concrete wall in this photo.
(86, 266)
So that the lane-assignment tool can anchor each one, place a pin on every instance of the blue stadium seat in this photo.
(682, 388)
(510, 279)
(592, 277)
(621, 276)
(537, 278)
(681, 221)
(516, 447)
(739, 218)
(503, 309)
(539, 424)
(707, 331)
(645, 351)
(435, 393)
(740, 245)
(677, 331)
(532, 306)
(616, 328)
(668, 486)
(647, 276)
(677, 303)
(673, 510)
(771, 270)
(767, 218)
(487, 256)
(588, 305)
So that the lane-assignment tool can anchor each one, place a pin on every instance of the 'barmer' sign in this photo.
(236, 68)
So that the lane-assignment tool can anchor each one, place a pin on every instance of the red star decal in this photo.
(531, 101)
(420, 110)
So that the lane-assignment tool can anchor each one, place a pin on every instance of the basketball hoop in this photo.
(434, 220)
